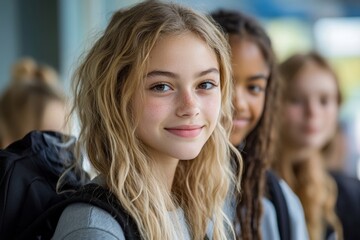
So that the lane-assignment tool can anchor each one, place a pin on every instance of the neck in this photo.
(291, 156)
(166, 169)
(295, 155)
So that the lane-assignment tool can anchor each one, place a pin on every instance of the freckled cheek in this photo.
(212, 106)
(155, 110)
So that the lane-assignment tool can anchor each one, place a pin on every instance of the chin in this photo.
(187, 154)
(187, 157)
(311, 144)
(236, 139)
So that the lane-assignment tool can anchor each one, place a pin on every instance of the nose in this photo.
(188, 105)
(239, 100)
(311, 108)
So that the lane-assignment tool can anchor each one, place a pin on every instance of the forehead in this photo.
(313, 78)
(171, 51)
(247, 58)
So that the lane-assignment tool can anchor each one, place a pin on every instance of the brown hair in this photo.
(309, 179)
(259, 144)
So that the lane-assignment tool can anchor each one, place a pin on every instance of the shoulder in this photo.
(296, 213)
(85, 221)
(269, 224)
(268, 207)
(289, 210)
(348, 202)
(282, 195)
(348, 189)
(347, 184)
(290, 196)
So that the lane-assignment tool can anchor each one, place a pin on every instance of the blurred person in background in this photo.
(32, 101)
(309, 125)
(32, 162)
(267, 205)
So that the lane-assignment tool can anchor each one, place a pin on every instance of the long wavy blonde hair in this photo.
(104, 86)
(309, 178)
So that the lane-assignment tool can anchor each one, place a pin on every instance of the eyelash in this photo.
(157, 86)
(213, 85)
(258, 88)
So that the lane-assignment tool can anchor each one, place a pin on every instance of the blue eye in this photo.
(206, 85)
(160, 88)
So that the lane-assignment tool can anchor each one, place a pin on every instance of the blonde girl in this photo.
(153, 97)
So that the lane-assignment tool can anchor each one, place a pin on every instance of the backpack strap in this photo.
(277, 198)
(106, 200)
(93, 194)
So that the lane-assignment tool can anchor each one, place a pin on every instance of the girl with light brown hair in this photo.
(308, 125)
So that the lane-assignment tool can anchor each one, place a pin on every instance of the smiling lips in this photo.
(240, 122)
(310, 130)
(186, 131)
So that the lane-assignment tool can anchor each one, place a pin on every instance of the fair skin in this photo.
(310, 111)
(250, 72)
(54, 117)
(182, 100)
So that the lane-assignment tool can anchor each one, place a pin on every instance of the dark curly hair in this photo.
(258, 146)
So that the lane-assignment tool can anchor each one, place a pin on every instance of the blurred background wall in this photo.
(56, 32)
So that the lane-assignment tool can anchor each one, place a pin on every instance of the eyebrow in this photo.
(156, 73)
(210, 70)
(258, 77)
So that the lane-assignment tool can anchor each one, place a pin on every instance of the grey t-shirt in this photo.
(269, 227)
(85, 221)
(269, 224)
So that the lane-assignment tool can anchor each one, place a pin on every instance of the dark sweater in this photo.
(348, 204)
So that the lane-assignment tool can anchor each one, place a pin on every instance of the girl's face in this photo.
(182, 97)
(311, 108)
(250, 72)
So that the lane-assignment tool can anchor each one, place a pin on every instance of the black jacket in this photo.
(348, 204)
(29, 172)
